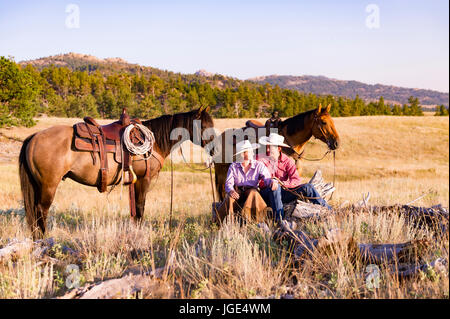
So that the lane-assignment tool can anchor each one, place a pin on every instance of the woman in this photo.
(241, 185)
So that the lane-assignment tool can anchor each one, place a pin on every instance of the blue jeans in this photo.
(273, 199)
(306, 190)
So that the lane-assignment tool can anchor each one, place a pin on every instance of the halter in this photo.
(319, 125)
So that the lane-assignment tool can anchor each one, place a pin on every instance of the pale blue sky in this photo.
(244, 38)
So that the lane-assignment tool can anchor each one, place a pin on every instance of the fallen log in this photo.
(429, 214)
(304, 246)
(15, 249)
(439, 265)
(38, 249)
(324, 189)
(115, 288)
(130, 285)
(402, 252)
(435, 217)
(300, 210)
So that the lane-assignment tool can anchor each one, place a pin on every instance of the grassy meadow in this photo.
(396, 159)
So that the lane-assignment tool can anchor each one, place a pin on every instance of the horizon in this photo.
(261, 40)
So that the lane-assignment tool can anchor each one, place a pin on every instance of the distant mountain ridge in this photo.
(319, 85)
(107, 66)
(86, 62)
(370, 92)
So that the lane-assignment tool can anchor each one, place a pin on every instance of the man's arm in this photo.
(265, 173)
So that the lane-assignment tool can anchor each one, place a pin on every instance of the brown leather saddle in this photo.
(102, 139)
(254, 123)
(257, 126)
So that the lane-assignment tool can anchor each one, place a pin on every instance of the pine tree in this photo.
(382, 108)
(18, 94)
(415, 108)
(441, 111)
(396, 110)
(406, 110)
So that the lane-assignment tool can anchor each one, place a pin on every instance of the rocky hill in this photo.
(107, 66)
(370, 92)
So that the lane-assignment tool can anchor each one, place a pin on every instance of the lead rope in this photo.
(213, 191)
(334, 173)
(313, 159)
(147, 144)
(171, 193)
(210, 176)
(192, 167)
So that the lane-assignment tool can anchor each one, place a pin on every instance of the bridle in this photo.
(319, 125)
(316, 121)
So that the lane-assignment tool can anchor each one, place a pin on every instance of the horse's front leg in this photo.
(140, 188)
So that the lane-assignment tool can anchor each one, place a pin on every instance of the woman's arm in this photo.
(229, 182)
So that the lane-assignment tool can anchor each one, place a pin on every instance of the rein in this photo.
(192, 167)
(314, 159)
(201, 170)
(195, 169)
(292, 191)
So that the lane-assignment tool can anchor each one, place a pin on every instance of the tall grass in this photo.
(395, 159)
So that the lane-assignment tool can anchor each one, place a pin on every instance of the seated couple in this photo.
(247, 174)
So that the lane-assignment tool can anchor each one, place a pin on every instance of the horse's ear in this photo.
(329, 108)
(320, 108)
(206, 109)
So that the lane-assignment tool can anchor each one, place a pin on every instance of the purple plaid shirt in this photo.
(237, 177)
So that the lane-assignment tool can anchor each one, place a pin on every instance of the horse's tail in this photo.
(29, 187)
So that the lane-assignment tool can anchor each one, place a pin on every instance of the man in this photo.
(273, 122)
(283, 168)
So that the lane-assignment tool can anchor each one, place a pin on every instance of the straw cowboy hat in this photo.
(245, 145)
(273, 139)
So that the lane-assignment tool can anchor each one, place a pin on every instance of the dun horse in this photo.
(48, 156)
(297, 131)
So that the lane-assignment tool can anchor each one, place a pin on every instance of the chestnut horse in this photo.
(48, 156)
(297, 131)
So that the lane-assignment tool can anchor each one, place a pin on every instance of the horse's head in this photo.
(323, 127)
(207, 133)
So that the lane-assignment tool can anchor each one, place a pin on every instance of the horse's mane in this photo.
(296, 123)
(162, 126)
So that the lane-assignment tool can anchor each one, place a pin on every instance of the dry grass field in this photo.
(396, 159)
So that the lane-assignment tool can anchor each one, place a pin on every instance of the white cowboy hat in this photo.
(273, 139)
(245, 145)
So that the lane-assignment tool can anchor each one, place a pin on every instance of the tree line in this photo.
(26, 92)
